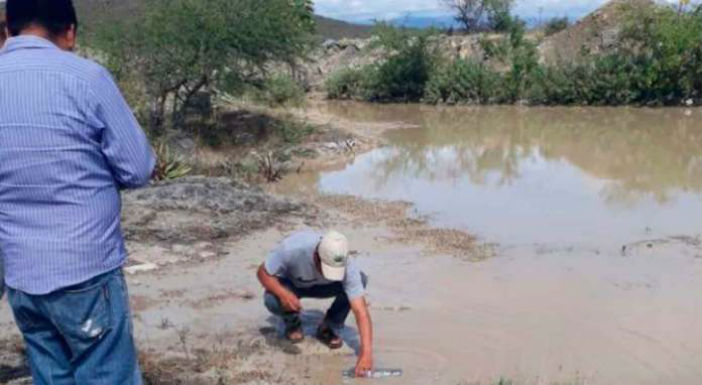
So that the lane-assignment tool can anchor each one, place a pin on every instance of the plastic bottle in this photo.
(375, 373)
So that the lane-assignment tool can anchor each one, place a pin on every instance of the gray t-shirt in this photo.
(293, 260)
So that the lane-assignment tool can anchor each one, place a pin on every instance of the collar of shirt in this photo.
(27, 42)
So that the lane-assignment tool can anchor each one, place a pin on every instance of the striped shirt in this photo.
(68, 143)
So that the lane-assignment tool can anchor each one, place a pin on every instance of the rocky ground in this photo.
(185, 220)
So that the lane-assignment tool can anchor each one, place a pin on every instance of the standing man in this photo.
(68, 144)
(309, 265)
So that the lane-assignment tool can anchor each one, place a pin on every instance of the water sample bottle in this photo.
(375, 373)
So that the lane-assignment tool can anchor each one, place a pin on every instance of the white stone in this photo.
(140, 268)
(207, 254)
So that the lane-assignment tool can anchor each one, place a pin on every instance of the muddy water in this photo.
(536, 175)
(596, 214)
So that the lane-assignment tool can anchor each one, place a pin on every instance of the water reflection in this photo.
(649, 151)
(646, 162)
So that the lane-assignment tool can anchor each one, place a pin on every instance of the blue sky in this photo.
(360, 10)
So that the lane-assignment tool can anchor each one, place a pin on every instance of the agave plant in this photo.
(169, 166)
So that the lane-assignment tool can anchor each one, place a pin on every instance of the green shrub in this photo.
(280, 90)
(346, 83)
(657, 61)
(667, 46)
(169, 165)
(555, 25)
(402, 76)
(607, 80)
(463, 81)
(524, 65)
(292, 131)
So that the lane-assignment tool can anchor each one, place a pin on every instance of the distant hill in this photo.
(94, 11)
(336, 29)
(421, 22)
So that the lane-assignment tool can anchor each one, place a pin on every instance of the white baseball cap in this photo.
(333, 252)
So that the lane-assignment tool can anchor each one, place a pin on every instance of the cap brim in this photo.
(333, 273)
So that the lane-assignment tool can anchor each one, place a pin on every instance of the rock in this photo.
(331, 146)
(330, 43)
(172, 215)
(219, 195)
(207, 254)
(180, 249)
(140, 268)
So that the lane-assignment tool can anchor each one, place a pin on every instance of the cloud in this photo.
(388, 9)
(380, 9)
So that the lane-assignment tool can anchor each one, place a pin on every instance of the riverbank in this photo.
(447, 308)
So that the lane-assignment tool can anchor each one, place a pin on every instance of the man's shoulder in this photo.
(87, 69)
(353, 270)
(302, 239)
(66, 63)
(299, 242)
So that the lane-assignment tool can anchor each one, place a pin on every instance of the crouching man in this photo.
(308, 265)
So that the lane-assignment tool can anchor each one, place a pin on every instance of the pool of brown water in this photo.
(514, 175)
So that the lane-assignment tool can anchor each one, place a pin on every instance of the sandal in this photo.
(295, 335)
(327, 336)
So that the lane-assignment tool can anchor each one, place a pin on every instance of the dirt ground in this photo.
(447, 309)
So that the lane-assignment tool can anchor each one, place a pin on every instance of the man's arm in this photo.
(124, 144)
(271, 283)
(365, 329)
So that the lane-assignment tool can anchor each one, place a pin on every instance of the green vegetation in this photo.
(463, 81)
(175, 50)
(407, 68)
(499, 15)
(476, 15)
(347, 83)
(555, 25)
(279, 90)
(402, 76)
(170, 166)
(291, 131)
(657, 61)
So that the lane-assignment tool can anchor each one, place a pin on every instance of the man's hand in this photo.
(364, 365)
(290, 302)
(365, 329)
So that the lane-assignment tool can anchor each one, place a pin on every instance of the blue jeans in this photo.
(336, 315)
(81, 335)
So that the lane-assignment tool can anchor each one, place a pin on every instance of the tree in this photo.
(469, 13)
(175, 49)
(408, 61)
(555, 25)
(478, 14)
(499, 14)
